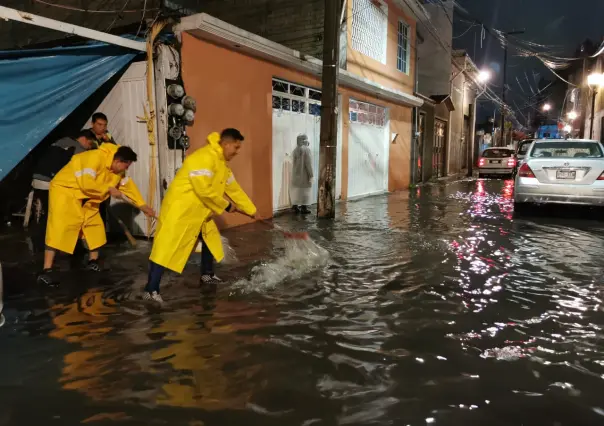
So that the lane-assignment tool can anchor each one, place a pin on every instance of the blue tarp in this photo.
(40, 88)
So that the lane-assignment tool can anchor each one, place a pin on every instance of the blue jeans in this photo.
(157, 271)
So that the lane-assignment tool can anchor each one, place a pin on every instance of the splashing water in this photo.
(299, 258)
(230, 256)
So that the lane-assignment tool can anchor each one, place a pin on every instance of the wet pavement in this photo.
(433, 307)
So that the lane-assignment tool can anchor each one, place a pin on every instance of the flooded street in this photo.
(431, 307)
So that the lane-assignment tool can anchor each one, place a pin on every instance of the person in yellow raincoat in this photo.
(75, 195)
(195, 195)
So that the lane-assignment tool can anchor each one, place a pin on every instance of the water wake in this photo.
(298, 259)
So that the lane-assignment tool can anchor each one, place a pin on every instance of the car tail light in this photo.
(481, 162)
(511, 162)
(601, 177)
(525, 171)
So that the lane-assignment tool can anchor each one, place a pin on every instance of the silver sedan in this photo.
(561, 172)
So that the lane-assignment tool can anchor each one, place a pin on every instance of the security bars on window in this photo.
(364, 113)
(370, 28)
(296, 98)
(402, 55)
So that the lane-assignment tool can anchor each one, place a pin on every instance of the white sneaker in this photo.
(155, 296)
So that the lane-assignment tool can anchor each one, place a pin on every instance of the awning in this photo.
(41, 87)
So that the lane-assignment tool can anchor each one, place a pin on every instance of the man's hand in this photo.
(116, 193)
(148, 211)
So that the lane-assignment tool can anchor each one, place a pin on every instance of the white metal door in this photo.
(296, 110)
(123, 105)
(368, 149)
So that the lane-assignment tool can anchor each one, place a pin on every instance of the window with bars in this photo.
(365, 113)
(403, 49)
(296, 98)
(370, 28)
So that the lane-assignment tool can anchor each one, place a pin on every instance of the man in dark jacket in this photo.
(49, 164)
(99, 127)
(102, 135)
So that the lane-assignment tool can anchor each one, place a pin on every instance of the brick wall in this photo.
(292, 23)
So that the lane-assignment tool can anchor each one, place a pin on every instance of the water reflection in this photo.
(433, 307)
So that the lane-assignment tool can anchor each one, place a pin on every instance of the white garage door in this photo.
(296, 110)
(368, 149)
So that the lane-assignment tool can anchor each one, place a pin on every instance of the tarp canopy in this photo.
(39, 88)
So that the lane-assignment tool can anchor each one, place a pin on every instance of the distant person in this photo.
(53, 159)
(74, 198)
(99, 127)
(301, 183)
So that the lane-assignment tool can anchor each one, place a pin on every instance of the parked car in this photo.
(561, 172)
(496, 162)
(521, 150)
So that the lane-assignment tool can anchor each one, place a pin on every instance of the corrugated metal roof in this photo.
(101, 15)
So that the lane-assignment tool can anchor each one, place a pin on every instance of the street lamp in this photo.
(547, 107)
(594, 81)
(484, 76)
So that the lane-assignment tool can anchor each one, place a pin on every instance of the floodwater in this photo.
(435, 307)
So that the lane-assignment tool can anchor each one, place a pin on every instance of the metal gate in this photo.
(297, 110)
(440, 149)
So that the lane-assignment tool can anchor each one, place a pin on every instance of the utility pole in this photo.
(329, 111)
(593, 112)
(505, 78)
(583, 100)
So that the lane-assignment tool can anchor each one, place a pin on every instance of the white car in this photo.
(497, 162)
(561, 172)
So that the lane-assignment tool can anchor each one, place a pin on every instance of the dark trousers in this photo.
(157, 271)
(39, 235)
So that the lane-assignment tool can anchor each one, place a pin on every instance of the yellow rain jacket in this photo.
(75, 195)
(196, 194)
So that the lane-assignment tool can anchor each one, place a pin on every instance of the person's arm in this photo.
(130, 190)
(308, 163)
(201, 178)
(239, 197)
(87, 166)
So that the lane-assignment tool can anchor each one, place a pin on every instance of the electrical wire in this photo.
(77, 9)
(466, 31)
(118, 16)
(142, 18)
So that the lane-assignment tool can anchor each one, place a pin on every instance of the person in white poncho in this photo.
(302, 175)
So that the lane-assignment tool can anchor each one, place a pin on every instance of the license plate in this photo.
(564, 174)
(495, 161)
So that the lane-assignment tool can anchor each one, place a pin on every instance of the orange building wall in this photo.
(387, 75)
(233, 89)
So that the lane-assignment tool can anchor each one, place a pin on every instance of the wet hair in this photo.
(125, 154)
(232, 134)
(98, 116)
(87, 133)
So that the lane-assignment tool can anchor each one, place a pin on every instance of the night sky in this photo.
(562, 24)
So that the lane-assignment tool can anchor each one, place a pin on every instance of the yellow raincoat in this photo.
(75, 195)
(196, 194)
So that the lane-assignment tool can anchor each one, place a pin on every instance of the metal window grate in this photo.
(365, 113)
(370, 28)
(296, 98)
(403, 49)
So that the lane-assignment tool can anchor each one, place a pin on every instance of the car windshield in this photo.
(524, 146)
(566, 150)
(497, 153)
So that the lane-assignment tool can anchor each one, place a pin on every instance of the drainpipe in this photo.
(415, 127)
